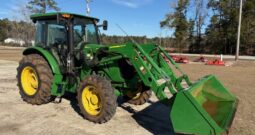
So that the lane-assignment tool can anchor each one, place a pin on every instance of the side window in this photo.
(40, 33)
(91, 33)
(56, 35)
(78, 34)
(86, 33)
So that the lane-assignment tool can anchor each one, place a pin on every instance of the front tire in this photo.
(96, 99)
(34, 79)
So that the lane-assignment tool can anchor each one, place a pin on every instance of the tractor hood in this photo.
(128, 49)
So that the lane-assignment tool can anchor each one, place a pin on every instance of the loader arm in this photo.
(157, 75)
(205, 107)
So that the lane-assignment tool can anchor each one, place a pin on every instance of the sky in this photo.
(136, 17)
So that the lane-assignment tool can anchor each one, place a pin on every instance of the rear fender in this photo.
(57, 87)
(47, 56)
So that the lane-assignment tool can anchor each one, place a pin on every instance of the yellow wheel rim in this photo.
(91, 101)
(134, 95)
(29, 80)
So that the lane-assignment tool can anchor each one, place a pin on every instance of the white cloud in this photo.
(132, 3)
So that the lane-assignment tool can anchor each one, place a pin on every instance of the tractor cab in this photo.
(62, 28)
(65, 35)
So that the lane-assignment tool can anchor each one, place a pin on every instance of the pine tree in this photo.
(177, 21)
(41, 6)
(222, 33)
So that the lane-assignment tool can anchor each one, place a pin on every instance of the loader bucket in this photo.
(205, 108)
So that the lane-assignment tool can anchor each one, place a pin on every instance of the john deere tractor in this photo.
(68, 57)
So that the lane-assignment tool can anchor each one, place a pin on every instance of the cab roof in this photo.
(54, 15)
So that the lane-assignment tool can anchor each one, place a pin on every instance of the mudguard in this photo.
(56, 88)
(44, 53)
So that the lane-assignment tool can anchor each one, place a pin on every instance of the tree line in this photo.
(18, 30)
(220, 34)
(115, 39)
(24, 30)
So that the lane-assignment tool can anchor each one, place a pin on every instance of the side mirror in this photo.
(105, 25)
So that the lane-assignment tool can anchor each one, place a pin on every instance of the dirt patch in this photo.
(12, 54)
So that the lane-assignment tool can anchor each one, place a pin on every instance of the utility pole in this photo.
(239, 30)
(87, 7)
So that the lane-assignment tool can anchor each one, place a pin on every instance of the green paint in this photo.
(209, 105)
(117, 93)
(47, 55)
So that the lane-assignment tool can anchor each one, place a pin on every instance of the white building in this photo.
(14, 41)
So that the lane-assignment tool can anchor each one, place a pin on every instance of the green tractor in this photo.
(68, 57)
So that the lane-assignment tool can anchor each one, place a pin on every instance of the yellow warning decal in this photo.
(117, 46)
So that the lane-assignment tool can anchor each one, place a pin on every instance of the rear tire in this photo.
(34, 80)
(139, 97)
(96, 99)
(142, 99)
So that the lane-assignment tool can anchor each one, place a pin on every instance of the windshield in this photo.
(85, 32)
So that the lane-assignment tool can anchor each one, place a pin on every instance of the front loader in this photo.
(69, 57)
